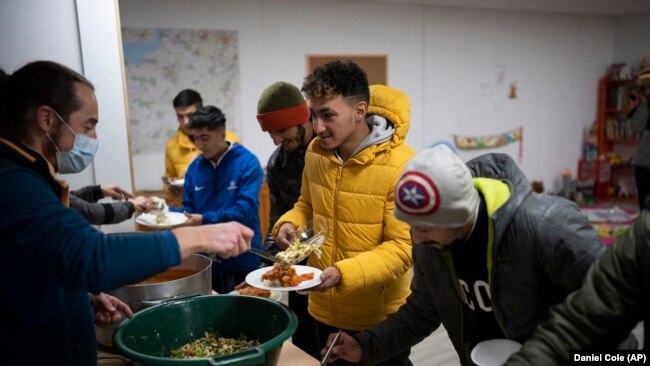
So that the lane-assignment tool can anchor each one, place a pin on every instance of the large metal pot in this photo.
(192, 277)
(152, 334)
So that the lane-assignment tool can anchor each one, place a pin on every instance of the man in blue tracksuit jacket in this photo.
(223, 184)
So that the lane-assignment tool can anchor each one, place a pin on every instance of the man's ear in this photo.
(360, 111)
(45, 118)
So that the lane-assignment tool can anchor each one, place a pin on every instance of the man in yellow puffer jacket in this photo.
(180, 151)
(350, 171)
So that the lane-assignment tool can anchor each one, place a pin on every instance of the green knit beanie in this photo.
(280, 106)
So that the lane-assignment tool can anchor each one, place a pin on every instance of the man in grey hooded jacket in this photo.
(490, 256)
(614, 297)
(84, 201)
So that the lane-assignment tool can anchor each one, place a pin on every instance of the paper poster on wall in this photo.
(159, 63)
(491, 141)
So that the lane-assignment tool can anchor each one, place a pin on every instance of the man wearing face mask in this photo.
(51, 258)
(83, 148)
(84, 200)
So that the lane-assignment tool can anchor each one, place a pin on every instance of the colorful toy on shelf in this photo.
(610, 230)
(537, 186)
(615, 159)
(622, 189)
(625, 73)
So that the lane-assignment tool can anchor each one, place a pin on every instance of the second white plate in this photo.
(149, 220)
(255, 278)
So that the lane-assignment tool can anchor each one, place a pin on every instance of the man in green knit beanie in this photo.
(282, 112)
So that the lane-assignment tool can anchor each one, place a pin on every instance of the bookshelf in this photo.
(616, 140)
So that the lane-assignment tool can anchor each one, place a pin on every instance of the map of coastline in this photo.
(161, 62)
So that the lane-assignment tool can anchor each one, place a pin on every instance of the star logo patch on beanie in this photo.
(416, 194)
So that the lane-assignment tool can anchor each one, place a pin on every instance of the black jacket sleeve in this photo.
(413, 322)
(601, 314)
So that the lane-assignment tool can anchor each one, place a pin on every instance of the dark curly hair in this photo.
(337, 78)
(209, 117)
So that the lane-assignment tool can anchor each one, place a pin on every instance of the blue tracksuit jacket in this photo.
(229, 192)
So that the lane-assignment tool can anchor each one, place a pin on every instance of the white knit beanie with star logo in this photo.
(436, 190)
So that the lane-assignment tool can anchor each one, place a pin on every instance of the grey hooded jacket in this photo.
(542, 248)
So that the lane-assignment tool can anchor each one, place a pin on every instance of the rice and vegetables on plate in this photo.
(161, 211)
(298, 251)
(212, 345)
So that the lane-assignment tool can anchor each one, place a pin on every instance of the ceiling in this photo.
(584, 7)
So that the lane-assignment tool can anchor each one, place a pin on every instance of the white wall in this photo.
(444, 58)
(632, 39)
(556, 61)
(101, 50)
(42, 30)
(290, 30)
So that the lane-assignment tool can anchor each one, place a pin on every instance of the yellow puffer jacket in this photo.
(180, 151)
(366, 243)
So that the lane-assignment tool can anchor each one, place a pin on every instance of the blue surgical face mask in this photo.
(79, 157)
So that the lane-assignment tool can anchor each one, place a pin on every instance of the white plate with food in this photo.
(310, 278)
(166, 221)
(253, 291)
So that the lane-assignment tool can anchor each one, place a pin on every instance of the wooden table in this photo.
(294, 356)
(289, 356)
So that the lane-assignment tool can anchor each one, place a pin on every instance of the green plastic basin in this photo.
(150, 336)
